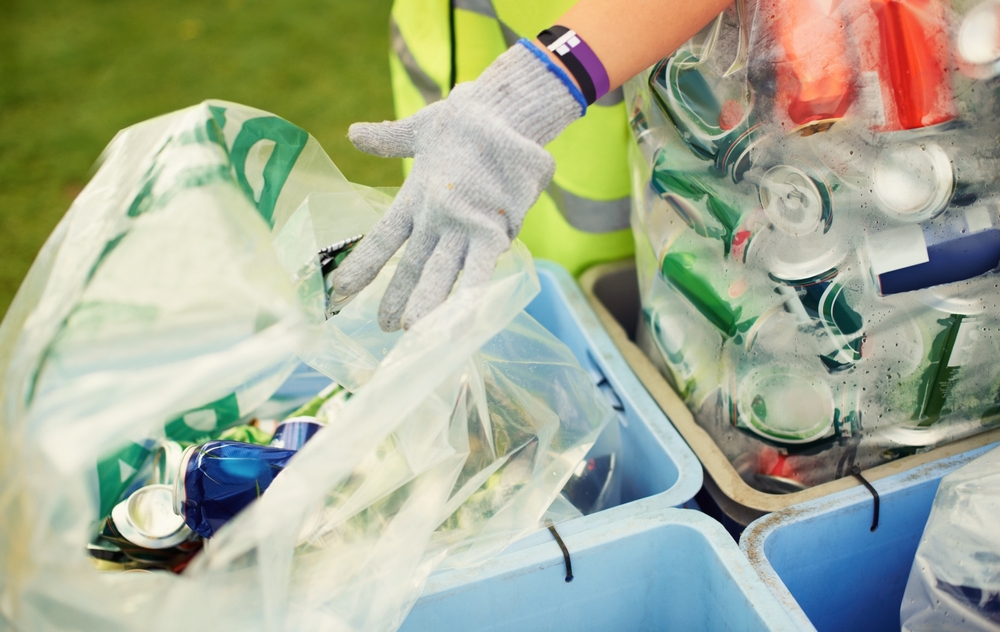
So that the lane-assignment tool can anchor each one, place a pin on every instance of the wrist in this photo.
(530, 93)
(557, 61)
(576, 56)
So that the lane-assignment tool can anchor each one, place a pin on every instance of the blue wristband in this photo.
(557, 71)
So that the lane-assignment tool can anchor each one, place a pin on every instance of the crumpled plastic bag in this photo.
(174, 299)
(954, 583)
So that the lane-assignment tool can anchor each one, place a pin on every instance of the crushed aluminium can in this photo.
(293, 433)
(805, 259)
(954, 391)
(913, 181)
(918, 181)
(912, 63)
(949, 350)
(145, 529)
(683, 344)
(789, 408)
(166, 462)
(697, 200)
(678, 268)
(770, 471)
(977, 45)
(712, 114)
(815, 78)
(781, 388)
(798, 260)
(796, 201)
(219, 479)
(958, 336)
(825, 304)
(785, 405)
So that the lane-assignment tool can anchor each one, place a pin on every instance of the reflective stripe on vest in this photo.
(485, 9)
(590, 216)
(428, 88)
(614, 97)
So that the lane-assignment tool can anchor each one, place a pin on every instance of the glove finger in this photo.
(366, 260)
(438, 276)
(418, 251)
(481, 260)
(389, 139)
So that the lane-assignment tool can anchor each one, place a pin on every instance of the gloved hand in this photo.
(478, 166)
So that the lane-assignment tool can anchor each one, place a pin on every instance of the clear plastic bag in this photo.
(818, 231)
(174, 299)
(955, 580)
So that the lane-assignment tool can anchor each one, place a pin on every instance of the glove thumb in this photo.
(389, 139)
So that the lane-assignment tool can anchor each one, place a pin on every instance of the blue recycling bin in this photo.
(634, 569)
(822, 560)
(638, 565)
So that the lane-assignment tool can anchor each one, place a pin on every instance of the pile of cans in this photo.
(818, 224)
(186, 491)
(191, 491)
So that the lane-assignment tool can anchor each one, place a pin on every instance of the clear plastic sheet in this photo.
(174, 299)
(955, 580)
(816, 211)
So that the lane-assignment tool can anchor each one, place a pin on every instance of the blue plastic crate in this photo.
(635, 570)
(830, 570)
(616, 554)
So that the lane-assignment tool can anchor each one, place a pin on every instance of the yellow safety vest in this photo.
(583, 217)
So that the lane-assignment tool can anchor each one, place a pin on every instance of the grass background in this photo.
(74, 72)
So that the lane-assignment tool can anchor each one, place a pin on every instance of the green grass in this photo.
(74, 72)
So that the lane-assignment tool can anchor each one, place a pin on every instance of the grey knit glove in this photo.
(478, 166)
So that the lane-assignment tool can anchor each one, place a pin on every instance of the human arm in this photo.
(479, 162)
(630, 36)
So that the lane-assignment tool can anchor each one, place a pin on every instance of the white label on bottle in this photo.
(978, 219)
(871, 97)
(965, 342)
(897, 249)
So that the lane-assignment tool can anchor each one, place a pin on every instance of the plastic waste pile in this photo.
(954, 583)
(817, 224)
(188, 408)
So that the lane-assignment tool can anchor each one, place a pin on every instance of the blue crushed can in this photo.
(292, 434)
(219, 479)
